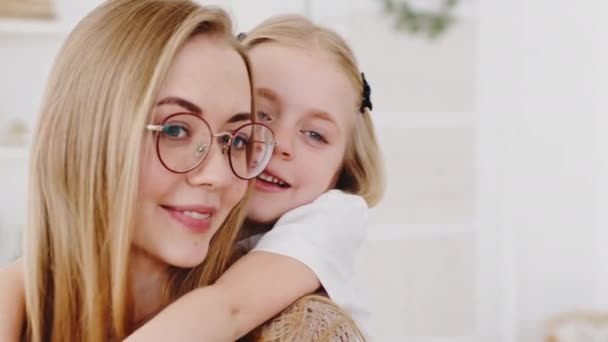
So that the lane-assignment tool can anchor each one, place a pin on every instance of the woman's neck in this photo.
(147, 278)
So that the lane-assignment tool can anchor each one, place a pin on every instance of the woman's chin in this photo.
(186, 259)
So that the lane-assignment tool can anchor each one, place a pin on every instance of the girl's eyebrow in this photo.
(268, 94)
(322, 115)
(319, 114)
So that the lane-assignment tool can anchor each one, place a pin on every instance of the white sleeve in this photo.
(325, 236)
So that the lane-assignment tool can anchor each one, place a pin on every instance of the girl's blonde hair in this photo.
(363, 169)
(85, 162)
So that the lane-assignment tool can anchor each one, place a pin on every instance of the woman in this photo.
(308, 211)
(112, 239)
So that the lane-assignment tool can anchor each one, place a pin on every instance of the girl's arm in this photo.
(12, 302)
(311, 245)
(257, 287)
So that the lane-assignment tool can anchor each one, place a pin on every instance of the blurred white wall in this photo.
(495, 141)
(601, 129)
(541, 149)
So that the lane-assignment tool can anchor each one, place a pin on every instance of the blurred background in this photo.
(492, 118)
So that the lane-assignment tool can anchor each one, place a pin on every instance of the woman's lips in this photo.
(195, 218)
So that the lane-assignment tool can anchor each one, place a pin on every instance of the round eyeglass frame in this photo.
(224, 149)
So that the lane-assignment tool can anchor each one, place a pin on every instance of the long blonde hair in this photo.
(363, 168)
(85, 165)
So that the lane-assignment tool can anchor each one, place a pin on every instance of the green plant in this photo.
(430, 23)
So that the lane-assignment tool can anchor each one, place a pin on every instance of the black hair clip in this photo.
(367, 92)
(241, 36)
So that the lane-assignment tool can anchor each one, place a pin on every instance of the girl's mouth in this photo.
(268, 180)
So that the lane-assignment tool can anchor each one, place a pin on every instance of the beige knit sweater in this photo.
(312, 318)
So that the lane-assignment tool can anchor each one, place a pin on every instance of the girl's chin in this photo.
(262, 216)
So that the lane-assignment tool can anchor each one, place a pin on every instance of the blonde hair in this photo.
(85, 166)
(363, 169)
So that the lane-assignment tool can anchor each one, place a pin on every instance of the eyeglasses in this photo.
(184, 139)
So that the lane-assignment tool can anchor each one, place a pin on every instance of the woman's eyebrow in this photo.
(240, 117)
(192, 108)
(187, 105)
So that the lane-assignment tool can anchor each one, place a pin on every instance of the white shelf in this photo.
(39, 28)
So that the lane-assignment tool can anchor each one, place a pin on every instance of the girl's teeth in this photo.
(270, 179)
(196, 215)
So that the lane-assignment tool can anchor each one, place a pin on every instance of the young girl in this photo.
(139, 172)
(312, 94)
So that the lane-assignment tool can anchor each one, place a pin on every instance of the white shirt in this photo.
(324, 235)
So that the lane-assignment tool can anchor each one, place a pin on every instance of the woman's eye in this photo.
(264, 117)
(224, 139)
(175, 131)
(316, 136)
(239, 142)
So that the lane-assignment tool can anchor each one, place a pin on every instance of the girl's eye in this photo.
(316, 136)
(264, 117)
(175, 131)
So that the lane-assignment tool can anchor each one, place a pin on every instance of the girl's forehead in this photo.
(303, 78)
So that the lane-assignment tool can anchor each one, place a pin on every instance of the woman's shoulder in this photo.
(12, 301)
(11, 279)
(311, 318)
